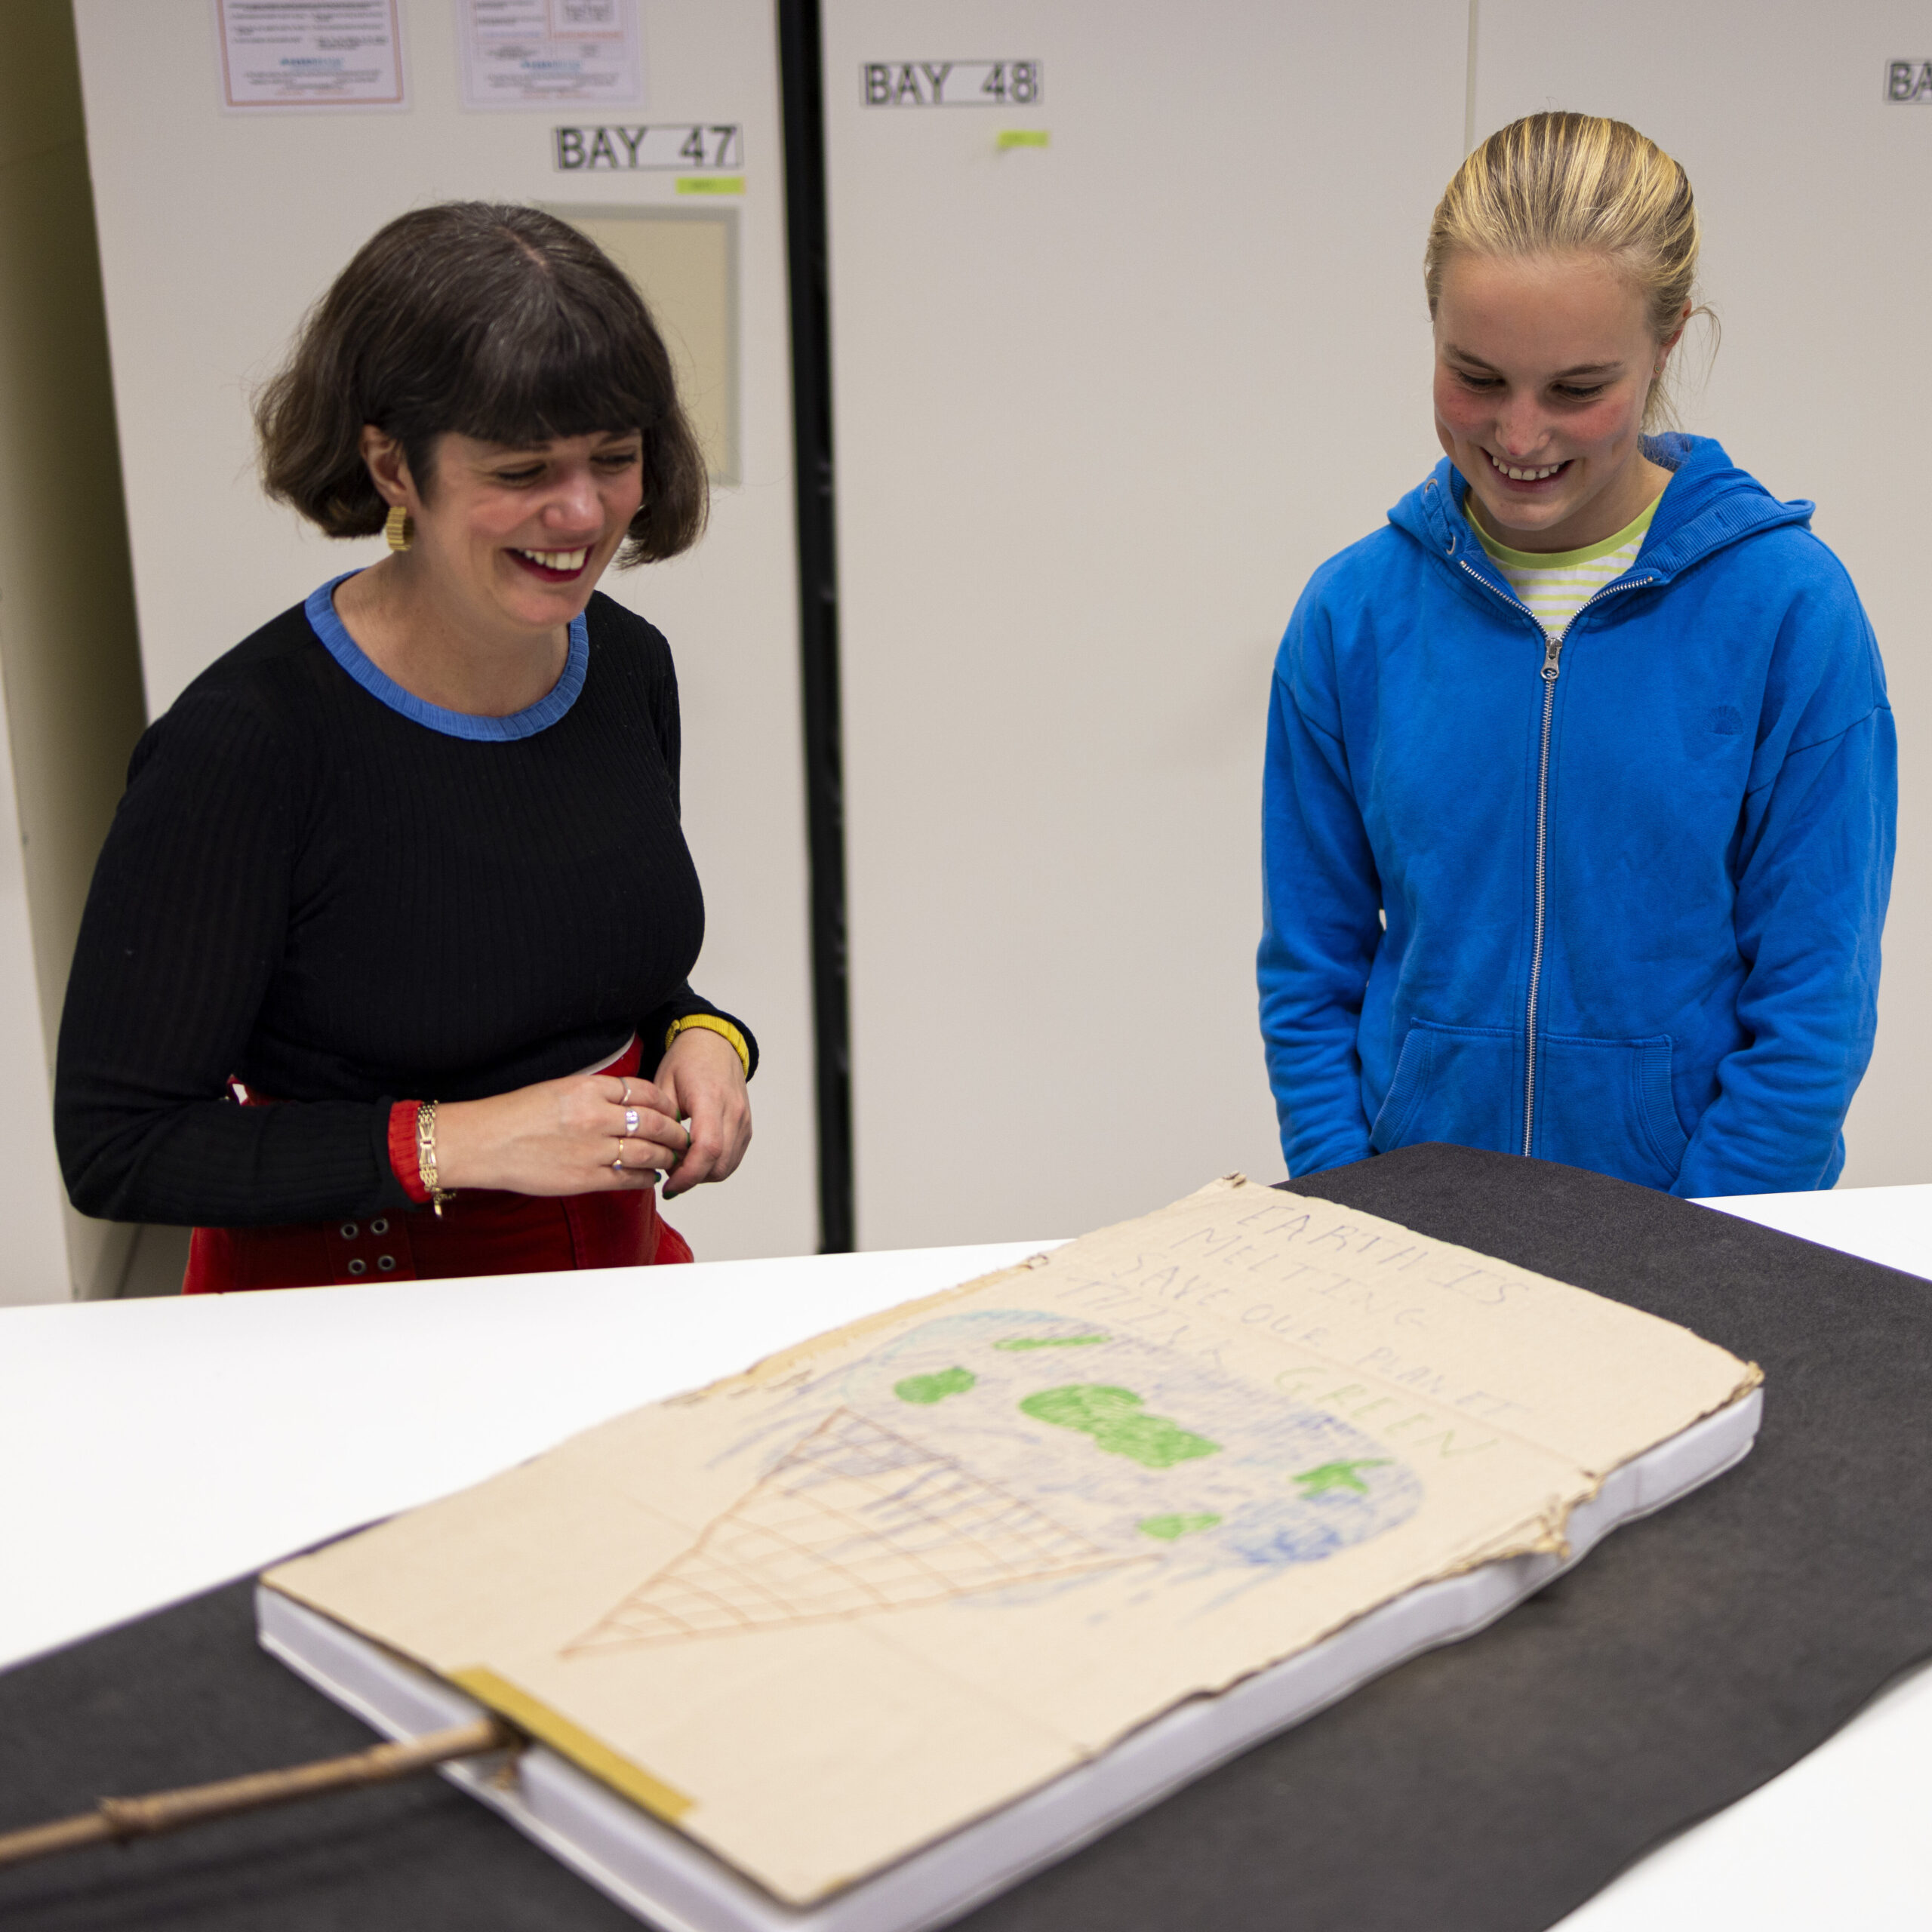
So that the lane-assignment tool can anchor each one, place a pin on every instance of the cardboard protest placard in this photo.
(822, 1612)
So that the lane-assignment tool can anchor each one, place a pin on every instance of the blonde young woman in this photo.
(1581, 775)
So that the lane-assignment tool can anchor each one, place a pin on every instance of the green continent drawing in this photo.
(1168, 1528)
(1338, 1476)
(935, 1388)
(1016, 1342)
(1186, 1468)
(1115, 1420)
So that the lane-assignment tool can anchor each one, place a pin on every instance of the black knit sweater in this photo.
(343, 908)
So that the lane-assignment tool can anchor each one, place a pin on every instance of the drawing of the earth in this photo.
(1138, 1447)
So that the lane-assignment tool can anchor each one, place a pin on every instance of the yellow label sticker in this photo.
(1022, 137)
(571, 1741)
(711, 184)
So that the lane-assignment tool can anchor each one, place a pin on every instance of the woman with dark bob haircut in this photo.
(384, 972)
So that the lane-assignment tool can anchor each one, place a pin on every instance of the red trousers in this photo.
(480, 1231)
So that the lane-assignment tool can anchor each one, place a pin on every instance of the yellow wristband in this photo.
(712, 1023)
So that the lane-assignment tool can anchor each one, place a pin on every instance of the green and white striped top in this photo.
(1556, 584)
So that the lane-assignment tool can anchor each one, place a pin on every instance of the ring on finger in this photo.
(630, 1120)
(619, 1162)
(626, 1100)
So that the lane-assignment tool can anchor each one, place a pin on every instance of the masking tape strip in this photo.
(1022, 137)
(528, 1713)
(711, 184)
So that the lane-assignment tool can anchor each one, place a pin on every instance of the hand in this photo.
(703, 1078)
(562, 1136)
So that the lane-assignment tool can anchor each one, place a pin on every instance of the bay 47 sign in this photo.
(680, 147)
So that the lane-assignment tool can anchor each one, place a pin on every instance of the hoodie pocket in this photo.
(1601, 1104)
(1460, 1084)
(1607, 1104)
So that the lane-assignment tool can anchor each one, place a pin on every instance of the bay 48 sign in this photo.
(1910, 81)
(950, 83)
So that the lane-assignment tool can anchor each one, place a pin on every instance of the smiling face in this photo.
(514, 540)
(1543, 365)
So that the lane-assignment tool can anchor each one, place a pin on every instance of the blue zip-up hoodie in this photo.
(1661, 959)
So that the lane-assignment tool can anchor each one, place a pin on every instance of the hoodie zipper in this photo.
(1553, 669)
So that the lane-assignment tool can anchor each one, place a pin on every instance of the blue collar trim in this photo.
(321, 611)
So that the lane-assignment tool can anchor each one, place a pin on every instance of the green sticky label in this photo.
(1022, 137)
(711, 184)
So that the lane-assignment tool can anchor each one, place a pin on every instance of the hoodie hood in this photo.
(1709, 503)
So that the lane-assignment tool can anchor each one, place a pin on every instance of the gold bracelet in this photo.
(426, 1156)
(712, 1023)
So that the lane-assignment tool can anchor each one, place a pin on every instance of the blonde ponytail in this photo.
(1554, 183)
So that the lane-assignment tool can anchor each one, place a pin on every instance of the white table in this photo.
(151, 1449)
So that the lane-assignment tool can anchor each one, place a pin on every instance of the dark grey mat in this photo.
(1493, 1786)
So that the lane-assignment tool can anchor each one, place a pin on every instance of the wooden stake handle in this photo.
(120, 1819)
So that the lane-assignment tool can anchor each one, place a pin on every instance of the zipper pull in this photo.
(1552, 649)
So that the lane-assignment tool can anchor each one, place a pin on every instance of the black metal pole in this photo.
(800, 83)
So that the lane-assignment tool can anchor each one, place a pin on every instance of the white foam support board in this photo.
(659, 1874)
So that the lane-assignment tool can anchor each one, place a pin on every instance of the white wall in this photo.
(67, 650)
(218, 230)
(1100, 410)
(1812, 190)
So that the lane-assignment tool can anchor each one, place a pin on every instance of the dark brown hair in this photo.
(498, 322)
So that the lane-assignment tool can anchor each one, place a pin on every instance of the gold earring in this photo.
(399, 528)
